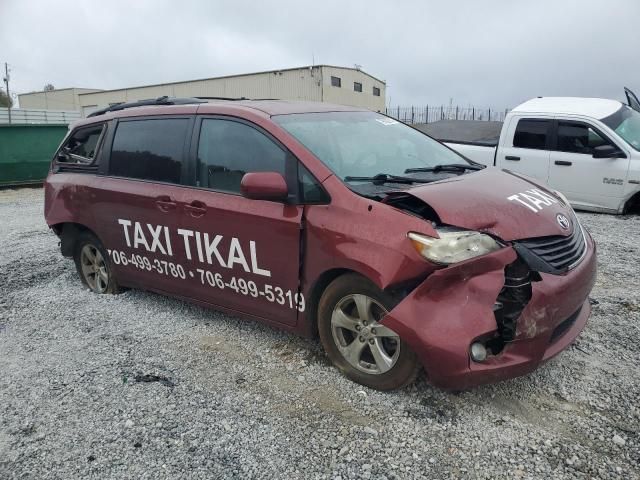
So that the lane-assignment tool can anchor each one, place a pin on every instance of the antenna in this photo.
(358, 66)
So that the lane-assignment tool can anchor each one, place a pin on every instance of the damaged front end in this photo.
(492, 316)
(511, 302)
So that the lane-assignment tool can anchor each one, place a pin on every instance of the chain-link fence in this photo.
(429, 114)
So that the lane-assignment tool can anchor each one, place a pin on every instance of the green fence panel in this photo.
(26, 151)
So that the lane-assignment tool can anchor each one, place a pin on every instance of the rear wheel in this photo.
(92, 263)
(349, 315)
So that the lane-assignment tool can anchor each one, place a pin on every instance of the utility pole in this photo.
(6, 82)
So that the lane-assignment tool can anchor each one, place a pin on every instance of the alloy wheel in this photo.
(94, 268)
(366, 344)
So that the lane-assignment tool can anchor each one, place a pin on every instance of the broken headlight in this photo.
(453, 246)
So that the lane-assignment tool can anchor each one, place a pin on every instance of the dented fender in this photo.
(454, 305)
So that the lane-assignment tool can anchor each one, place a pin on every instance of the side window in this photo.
(336, 81)
(578, 138)
(310, 189)
(149, 149)
(357, 87)
(531, 134)
(82, 145)
(228, 149)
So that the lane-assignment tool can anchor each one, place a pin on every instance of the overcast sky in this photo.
(484, 53)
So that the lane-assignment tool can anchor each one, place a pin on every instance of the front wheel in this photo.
(92, 263)
(349, 315)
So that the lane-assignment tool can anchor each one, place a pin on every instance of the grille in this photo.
(554, 254)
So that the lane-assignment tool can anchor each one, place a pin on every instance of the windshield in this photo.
(626, 123)
(365, 144)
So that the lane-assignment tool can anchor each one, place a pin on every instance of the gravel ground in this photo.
(138, 385)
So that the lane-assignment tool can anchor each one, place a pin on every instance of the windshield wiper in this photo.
(381, 178)
(447, 167)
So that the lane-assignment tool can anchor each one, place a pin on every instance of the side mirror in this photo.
(607, 151)
(264, 186)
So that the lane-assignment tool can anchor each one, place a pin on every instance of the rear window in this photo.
(149, 149)
(81, 147)
(531, 134)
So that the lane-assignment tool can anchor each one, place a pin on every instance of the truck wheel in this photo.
(365, 351)
(92, 263)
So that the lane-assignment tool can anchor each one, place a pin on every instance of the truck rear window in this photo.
(531, 133)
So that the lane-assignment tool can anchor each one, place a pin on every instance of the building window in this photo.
(376, 92)
(336, 82)
(357, 87)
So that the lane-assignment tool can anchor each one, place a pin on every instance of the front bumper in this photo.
(454, 306)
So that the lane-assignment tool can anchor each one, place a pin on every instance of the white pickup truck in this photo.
(587, 148)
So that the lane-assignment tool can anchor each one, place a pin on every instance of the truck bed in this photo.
(469, 132)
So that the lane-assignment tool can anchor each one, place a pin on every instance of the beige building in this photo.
(320, 83)
(63, 99)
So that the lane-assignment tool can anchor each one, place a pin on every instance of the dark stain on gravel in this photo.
(150, 378)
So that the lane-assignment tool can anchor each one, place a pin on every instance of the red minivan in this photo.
(326, 220)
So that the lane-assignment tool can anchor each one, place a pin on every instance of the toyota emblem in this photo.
(563, 221)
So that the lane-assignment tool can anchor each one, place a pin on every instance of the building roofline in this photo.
(234, 76)
(95, 90)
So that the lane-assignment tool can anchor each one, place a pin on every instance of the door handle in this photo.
(165, 203)
(511, 157)
(196, 208)
(563, 162)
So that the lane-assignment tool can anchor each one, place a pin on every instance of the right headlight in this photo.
(453, 246)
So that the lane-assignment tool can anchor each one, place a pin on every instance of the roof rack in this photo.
(238, 99)
(165, 100)
(231, 99)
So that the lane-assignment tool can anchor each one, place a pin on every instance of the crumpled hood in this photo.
(497, 201)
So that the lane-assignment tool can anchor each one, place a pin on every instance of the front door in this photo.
(595, 182)
(243, 254)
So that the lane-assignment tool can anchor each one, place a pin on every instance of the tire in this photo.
(363, 350)
(93, 265)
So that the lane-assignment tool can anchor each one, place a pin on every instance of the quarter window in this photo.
(336, 82)
(149, 149)
(228, 149)
(310, 189)
(82, 146)
(376, 92)
(531, 134)
(578, 138)
(357, 87)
